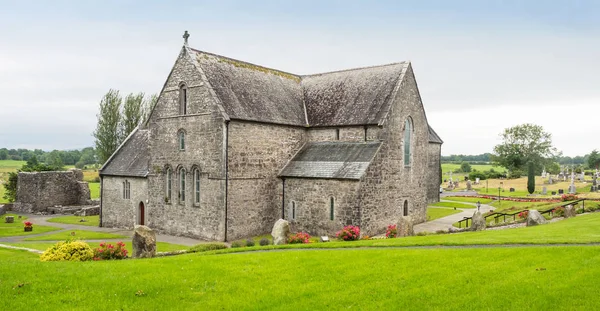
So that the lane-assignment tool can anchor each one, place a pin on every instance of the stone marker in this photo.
(477, 222)
(560, 191)
(550, 180)
(469, 187)
(143, 242)
(570, 211)
(280, 232)
(544, 190)
(405, 226)
(511, 190)
(534, 218)
(9, 219)
(553, 192)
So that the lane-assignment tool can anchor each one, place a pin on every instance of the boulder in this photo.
(2, 210)
(280, 232)
(405, 226)
(9, 219)
(570, 211)
(534, 218)
(143, 242)
(477, 222)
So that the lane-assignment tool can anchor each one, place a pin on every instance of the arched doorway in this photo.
(141, 214)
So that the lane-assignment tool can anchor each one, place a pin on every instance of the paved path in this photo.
(445, 223)
(43, 221)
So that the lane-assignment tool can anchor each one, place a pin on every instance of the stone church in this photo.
(230, 147)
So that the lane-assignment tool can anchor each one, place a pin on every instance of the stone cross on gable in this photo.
(186, 35)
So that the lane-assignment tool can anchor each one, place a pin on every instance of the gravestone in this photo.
(550, 180)
(560, 191)
(280, 232)
(477, 181)
(405, 226)
(469, 187)
(143, 242)
(553, 192)
(512, 190)
(477, 222)
(534, 218)
(9, 219)
(544, 190)
(570, 211)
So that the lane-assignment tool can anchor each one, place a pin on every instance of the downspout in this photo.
(101, 198)
(283, 198)
(226, 174)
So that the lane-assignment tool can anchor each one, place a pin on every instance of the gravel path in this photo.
(445, 223)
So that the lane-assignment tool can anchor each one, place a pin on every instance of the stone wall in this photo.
(388, 183)
(118, 212)
(433, 172)
(37, 191)
(346, 133)
(312, 200)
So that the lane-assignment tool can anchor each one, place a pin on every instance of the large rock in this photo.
(477, 222)
(2, 210)
(9, 219)
(534, 218)
(405, 226)
(469, 187)
(280, 232)
(144, 242)
(570, 211)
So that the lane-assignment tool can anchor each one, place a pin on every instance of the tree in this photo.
(3, 154)
(530, 177)
(148, 106)
(465, 167)
(593, 159)
(133, 114)
(522, 144)
(107, 130)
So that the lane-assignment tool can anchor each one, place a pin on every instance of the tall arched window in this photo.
(168, 185)
(405, 211)
(182, 99)
(408, 130)
(182, 185)
(331, 208)
(197, 186)
(181, 139)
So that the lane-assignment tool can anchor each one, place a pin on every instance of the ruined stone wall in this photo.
(433, 172)
(388, 182)
(119, 212)
(348, 133)
(257, 152)
(204, 128)
(38, 190)
(312, 199)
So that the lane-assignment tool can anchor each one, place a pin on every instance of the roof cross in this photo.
(186, 35)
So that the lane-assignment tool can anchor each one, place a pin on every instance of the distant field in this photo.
(451, 167)
(10, 165)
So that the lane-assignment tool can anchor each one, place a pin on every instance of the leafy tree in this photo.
(133, 113)
(3, 154)
(106, 135)
(148, 106)
(593, 159)
(522, 144)
(465, 167)
(530, 177)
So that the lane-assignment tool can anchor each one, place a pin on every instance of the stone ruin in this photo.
(55, 192)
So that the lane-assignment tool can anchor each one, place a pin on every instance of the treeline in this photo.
(473, 159)
(55, 158)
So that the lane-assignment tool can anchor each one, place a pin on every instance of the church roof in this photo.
(434, 137)
(131, 159)
(350, 97)
(331, 160)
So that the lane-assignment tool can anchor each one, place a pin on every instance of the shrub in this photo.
(28, 224)
(250, 242)
(568, 197)
(559, 211)
(264, 242)
(465, 167)
(236, 244)
(391, 231)
(207, 247)
(477, 174)
(422, 233)
(523, 214)
(70, 250)
(349, 233)
(298, 238)
(107, 251)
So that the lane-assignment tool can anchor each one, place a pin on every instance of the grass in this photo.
(435, 213)
(42, 246)
(79, 234)
(365, 279)
(74, 220)
(468, 199)
(94, 190)
(7, 166)
(452, 204)
(16, 228)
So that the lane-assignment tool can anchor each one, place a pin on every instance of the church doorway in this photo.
(141, 214)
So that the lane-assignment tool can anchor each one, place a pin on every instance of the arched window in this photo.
(181, 139)
(405, 211)
(293, 212)
(331, 208)
(182, 185)
(408, 130)
(197, 186)
(183, 99)
(168, 185)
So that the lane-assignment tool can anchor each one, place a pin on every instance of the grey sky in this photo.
(480, 68)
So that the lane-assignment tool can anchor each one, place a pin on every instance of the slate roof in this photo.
(434, 137)
(132, 157)
(331, 160)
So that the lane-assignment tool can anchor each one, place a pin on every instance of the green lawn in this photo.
(93, 221)
(94, 190)
(16, 228)
(435, 213)
(2, 191)
(79, 234)
(552, 278)
(10, 165)
(468, 199)
(453, 204)
(42, 246)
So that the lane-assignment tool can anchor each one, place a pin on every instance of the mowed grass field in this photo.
(451, 167)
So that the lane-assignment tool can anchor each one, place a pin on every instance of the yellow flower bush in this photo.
(68, 251)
